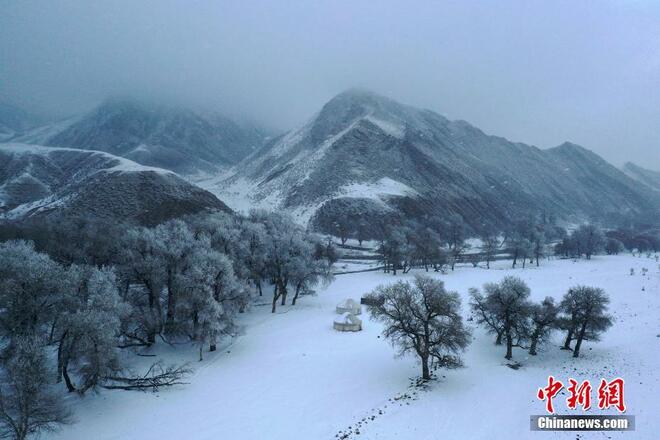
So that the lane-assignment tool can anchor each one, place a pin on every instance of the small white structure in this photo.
(347, 322)
(349, 306)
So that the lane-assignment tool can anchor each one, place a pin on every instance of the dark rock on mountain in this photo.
(40, 181)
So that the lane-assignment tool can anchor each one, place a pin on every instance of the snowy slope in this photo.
(643, 175)
(291, 376)
(14, 121)
(359, 139)
(46, 181)
(168, 137)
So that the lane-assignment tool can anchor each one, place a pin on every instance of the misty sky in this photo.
(539, 72)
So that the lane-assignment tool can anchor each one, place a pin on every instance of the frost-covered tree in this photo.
(211, 298)
(144, 264)
(392, 249)
(88, 326)
(253, 253)
(585, 315)
(422, 318)
(589, 240)
(518, 242)
(456, 238)
(490, 243)
(613, 246)
(293, 257)
(508, 307)
(486, 314)
(31, 283)
(538, 240)
(28, 403)
(543, 317)
(361, 231)
(427, 246)
(174, 242)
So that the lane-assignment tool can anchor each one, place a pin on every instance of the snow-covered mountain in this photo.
(44, 181)
(646, 176)
(157, 135)
(14, 121)
(372, 155)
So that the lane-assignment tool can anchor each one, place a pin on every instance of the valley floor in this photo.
(291, 376)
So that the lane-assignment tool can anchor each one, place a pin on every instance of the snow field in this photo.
(291, 376)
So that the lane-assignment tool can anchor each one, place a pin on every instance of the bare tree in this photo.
(422, 318)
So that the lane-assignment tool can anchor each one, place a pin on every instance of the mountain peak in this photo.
(356, 104)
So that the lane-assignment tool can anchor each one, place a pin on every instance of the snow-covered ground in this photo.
(291, 376)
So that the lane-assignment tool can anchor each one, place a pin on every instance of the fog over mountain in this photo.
(535, 72)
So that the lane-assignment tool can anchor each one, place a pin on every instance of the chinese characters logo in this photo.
(610, 394)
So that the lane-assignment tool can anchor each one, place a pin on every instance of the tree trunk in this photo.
(498, 341)
(151, 336)
(295, 297)
(283, 290)
(171, 301)
(67, 379)
(276, 296)
(569, 338)
(60, 358)
(509, 344)
(534, 342)
(578, 342)
(426, 373)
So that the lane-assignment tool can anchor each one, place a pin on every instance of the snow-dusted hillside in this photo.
(291, 376)
(156, 135)
(43, 181)
(359, 140)
(13, 121)
(643, 175)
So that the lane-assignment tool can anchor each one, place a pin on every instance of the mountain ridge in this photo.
(360, 138)
(39, 181)
(153, 134)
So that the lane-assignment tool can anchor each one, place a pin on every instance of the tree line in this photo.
(505, 310)
(77, 293)
(424, 319)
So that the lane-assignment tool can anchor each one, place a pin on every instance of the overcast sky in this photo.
(539, 72)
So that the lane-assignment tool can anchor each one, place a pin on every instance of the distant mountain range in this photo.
(362, 155)
(647, 177)
(374, 157)
(37, 182)
(173, 138)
